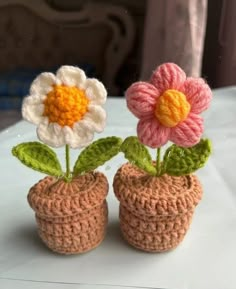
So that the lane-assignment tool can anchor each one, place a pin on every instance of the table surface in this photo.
(205, 259)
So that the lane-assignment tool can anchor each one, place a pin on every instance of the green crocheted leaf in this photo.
(138, 154)
(180, 161)
(39, 157)
(96, 154)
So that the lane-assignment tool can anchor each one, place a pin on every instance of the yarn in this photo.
(158, 235)
(71, 76)
(96, 154)
(151, 133)
(71, 217)
(177, 161)
(158, 198)
(155, 213)
(168, 107)
(138, 154)
(74, 235)
(180, 161)
(39, 157)
(168, 76)
(172, 108)
(198, 94)
(188, 133)
(66, 107)
(141, 98)
(42, 158)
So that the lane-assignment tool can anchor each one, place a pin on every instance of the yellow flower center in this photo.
(172, 108)
(65, 105)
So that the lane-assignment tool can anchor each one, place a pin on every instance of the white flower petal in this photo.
(95, 91)
(71, 76)
(32, 109)
(79, 136)
(48, 134)
(95, 118)
(57, 129)
(43, 84)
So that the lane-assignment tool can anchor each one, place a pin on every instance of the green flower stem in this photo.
(68, 174)
(158, 162)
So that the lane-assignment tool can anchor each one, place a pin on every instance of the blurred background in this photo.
(117, 41)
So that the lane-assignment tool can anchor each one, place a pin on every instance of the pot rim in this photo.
(48, 197)
(148, 195)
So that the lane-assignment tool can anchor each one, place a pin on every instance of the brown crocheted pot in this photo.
(155, 212)
(71, 217)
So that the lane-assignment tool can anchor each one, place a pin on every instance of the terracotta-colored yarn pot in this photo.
(155, 212)
(71, 217)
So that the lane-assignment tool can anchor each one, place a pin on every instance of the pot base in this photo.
(74, 234)
(154, 234)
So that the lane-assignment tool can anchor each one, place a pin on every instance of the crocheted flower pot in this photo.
(155, 212)
(71, 216)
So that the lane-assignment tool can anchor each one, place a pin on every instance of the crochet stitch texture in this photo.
(169, 107)
(155, 213)
(71, 217)
(66, 107)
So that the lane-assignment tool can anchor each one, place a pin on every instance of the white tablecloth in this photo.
(205, 259)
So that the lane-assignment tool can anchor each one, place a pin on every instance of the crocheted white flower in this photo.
(66, 107)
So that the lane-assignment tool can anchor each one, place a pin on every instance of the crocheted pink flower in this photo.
(168, 107)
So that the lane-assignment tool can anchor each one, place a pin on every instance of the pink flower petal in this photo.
(141, 98)
(152, 133)
(188, 132)
(168, 76)
(198, 94)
